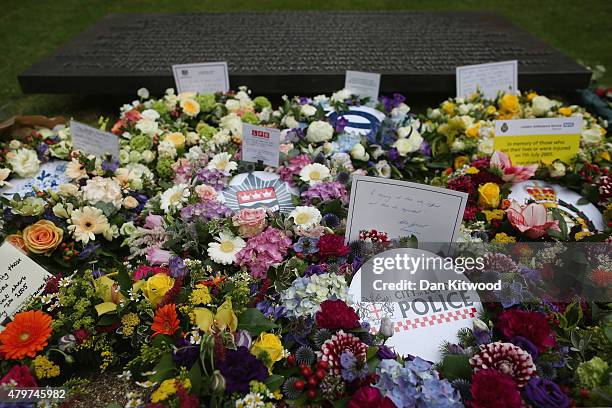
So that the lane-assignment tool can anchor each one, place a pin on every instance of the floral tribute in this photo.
(194, 304)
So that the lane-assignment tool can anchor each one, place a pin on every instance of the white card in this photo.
(20, 278)
(260, 144)
(94, 141)
(209, 77)
(363, 84)
(402, 209)
(489, 78)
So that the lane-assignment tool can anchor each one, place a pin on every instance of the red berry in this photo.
(299, 385)
(311, 394)
(291, 360)
(312, 382)
(320, 373)
(306, 371)
(323, 364)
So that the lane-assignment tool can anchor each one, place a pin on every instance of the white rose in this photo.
(435, 113)
(358, 152)
(410, 144)
(308, 110)
(290, 122)
(130, 202)
(557, 169)
(14, 144)
(149, 114)
(541, 105)
(147, 126)
(591, 136)
(485, 146)
(319, 131)
(148, 156)
(68, 190)
(143, 93)
(232, 105)
(25, 162)
(341, 95)
(233, 123)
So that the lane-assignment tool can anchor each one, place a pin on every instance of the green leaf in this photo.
(341, 403)
(274, 382)
(195, 376)
(124, 280)
(253, 321)
(456, 366)
(163, 369)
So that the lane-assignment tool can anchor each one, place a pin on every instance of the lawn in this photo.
(30, 29)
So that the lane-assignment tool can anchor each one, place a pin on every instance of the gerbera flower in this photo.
(314, 173)
(225, 249)
(174, 197)
(87, 222)
(75, 170)
(222, 161)
(305, 217)
(165, 320)
(26, 335)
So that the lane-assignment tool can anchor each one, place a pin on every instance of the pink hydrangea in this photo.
(296, 164)
(263, 250)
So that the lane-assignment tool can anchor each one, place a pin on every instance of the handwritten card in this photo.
(402, 209)
(528, 141)
(260, 144)
(363, 84)
(94, 141)
(489, 78)
(209, 77)
(20, 278)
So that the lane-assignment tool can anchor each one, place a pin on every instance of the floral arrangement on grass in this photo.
(197, 303)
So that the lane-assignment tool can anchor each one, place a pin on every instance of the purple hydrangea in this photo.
(217, 179)
(325, 191)
(208, 210)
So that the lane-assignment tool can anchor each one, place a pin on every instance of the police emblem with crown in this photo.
(259, 189)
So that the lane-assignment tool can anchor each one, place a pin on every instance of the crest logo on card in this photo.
(504, 127)
(252, 191)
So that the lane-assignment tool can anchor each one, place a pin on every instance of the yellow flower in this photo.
(200, 295)
(129, 322)
(473, 131)
(531, 95)
(605, 155)
(156, 287)
(491, 110)
(165, 389)
(271, 345)
(107, 290)
(176, 138)
(190, 107)
(494, 214)
(460, 161)
(472, 170)
(448, 107)
(45, 368)
(509, 106)
(488, 195)
(503, 238)
(225, 318)
(565, 111)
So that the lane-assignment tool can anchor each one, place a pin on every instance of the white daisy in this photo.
(314, 173)
(222, 161)
(225, 249)
(174, 197)
(305, 217)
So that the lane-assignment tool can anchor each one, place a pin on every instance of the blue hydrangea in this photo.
(345, 142)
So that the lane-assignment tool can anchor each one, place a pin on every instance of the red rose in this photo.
(491, 388)
(369, 397)
(332, 245)
(336, 314)
(20, 375)
(531, 325)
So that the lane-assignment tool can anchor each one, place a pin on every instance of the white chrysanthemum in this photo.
(25, 162)
(222, 161)
(103, 189)
(314, 173)
(306, 217)
(174, 197)
(225, 248)
(86, 222)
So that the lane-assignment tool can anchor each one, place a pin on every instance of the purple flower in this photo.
(341, 123)
(110, 165)
(89, 249)
(304, 100)
(425, 149)
(314, 270)
(545, 394)
(185, 353)
(393, 154)
(243, 339)
(352, 368)
(306, 245)
(239, 368)
(270, 310)
(526, 345)
(331, 220)
(390, 103)
(42, 152)
(294, 135)
(208, 210)
(386, 353)
(217, 179)
(326, 191)
(177, 267)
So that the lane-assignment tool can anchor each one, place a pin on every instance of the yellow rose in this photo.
(156, 287)
(491, 110)
(531, 95)
(190, 107)
(42, 237)
(269, 343)
(176, 138)
(488, 195)
(565, 111)
(473, 131)
(460, 161)
(448, 108)
(509, 106)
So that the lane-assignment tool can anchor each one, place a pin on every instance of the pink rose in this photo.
(514, 174)
(250, 222)
(157, 256)
(285, 147)
(532, 220)
(153, 221)
(206, 192)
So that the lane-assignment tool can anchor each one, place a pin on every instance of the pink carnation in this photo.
(263, 250)
(515, 174)
(531, 220)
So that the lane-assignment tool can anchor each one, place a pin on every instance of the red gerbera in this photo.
(165, 320)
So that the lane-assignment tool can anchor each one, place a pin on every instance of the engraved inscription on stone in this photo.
(297, 51)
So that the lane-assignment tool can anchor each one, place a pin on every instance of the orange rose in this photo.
(42, 237)
(17, 241)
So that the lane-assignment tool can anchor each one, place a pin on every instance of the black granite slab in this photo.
(298, 52)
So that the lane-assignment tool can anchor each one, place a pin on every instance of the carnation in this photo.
(263, 251)
(336, 314)
(101, 189)
(530, 325)
(490, 388)
(24, 162)
(332, 245)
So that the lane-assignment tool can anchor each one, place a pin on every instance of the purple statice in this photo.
(185, 353)
(270, 310)
(217, 179)
(239, 368)
(177, 267)
(390, 103)
(208, 210)
(306, 245)
(325, 191)
(341, 123)
(386, 353)
(352, 368)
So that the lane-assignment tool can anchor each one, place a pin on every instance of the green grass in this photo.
(30, 29)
